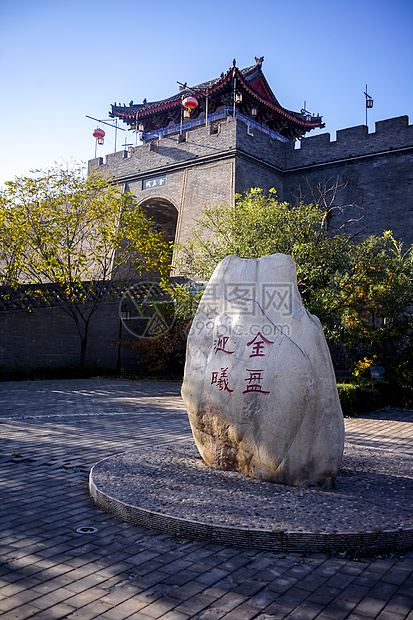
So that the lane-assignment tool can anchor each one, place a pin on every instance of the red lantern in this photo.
(190, 103)
(99, 134)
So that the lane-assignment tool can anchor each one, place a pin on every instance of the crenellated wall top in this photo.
(390, 135)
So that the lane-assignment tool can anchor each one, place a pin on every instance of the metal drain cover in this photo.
(87, 529)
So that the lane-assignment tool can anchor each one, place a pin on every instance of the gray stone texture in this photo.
(274, 412)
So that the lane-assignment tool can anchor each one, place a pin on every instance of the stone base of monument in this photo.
(169, 488)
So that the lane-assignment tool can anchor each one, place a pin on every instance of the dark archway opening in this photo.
(163, 214)
(164, 217)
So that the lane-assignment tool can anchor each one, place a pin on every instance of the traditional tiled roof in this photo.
(249, 81)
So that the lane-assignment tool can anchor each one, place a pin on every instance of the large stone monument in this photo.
(259, 383)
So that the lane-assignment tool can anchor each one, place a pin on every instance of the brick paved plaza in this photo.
(52, 432)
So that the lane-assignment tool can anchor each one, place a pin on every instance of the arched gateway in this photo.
(163, 213)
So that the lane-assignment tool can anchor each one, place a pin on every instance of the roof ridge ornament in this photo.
(259, 61)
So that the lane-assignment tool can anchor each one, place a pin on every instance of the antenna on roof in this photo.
(125, 144)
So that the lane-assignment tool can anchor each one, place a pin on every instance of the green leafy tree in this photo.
(258, 225)
(75, 236)
(376, 295)
(360, 289)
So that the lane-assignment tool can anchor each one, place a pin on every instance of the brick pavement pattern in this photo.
(51, 434)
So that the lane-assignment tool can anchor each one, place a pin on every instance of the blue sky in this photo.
(62, 61)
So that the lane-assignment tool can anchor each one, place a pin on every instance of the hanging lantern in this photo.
(238, 97)
(141, 127)
(369, 102)
(254, 112)
(189, 103)
(99, 134)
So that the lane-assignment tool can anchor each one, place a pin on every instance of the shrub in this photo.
(164, 356)
(356, 399)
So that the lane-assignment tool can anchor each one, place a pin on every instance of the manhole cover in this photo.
(86, 530)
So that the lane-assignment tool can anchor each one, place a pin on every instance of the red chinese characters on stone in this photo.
(258, 345)
(221, 380)
(220, 344)
(254, 382)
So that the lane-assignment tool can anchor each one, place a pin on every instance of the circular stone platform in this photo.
(169, 488)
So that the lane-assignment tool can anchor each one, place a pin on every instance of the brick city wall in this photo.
(376, 168)
(197, 172)
(47, 336)
(189, 190)
(389, 135)
(260, 161)
(170, 154)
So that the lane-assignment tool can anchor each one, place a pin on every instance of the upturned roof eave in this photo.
(158, 107)
(166, 104)
(279, 109)
(261, 76)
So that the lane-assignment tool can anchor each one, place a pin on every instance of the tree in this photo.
(258, 225)
(359, 288)
(75, 237)
(376, 294)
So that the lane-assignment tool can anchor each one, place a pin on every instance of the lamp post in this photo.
(369, 103)
(114, 126)
(139, 129)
